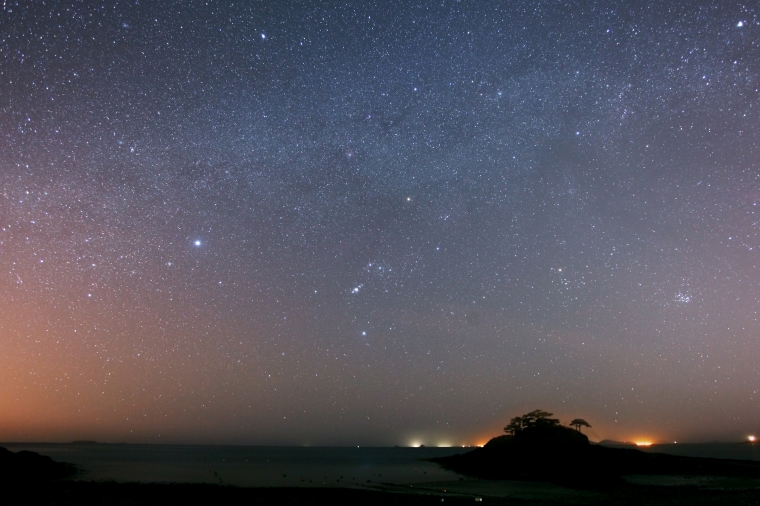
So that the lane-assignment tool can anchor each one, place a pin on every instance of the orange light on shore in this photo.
(643, 443)
(751, 439)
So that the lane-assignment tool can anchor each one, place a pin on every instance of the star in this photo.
(499, 214)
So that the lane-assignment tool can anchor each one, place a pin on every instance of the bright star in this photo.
(740, 24)
(198, 242)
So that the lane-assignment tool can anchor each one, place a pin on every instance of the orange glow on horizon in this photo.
(751, 439)
(643, 443)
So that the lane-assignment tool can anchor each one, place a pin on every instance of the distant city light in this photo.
(643, 443)
(751, 439)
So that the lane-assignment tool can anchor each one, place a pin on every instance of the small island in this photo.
(537, 447)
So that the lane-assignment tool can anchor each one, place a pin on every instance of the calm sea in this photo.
(739, 451)
(262, 466)
(251, 466)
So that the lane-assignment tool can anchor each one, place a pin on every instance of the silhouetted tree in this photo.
(515, 425)
(578, 423)
(540, 418)
(536, 418)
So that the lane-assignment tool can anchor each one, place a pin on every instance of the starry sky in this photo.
(377, 222)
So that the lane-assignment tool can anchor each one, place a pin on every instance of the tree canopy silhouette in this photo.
(578, 423)
(536, 418)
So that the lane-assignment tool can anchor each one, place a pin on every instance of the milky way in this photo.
(377, 222)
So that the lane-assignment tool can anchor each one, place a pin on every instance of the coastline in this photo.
(632, 490)
(499, 493)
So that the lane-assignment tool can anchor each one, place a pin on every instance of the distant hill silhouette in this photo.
(616, 444)
(30, 467)
(564, 456)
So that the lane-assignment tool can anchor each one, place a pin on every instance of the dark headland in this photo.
(29, 467)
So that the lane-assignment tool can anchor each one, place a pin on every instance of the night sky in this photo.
(342, 223)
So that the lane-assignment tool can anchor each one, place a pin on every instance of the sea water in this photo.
(249, 466)
(737, 451)
(278, 466)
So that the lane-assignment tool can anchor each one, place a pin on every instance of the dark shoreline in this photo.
(64, 493)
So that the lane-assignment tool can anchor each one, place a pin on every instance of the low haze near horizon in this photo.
(378, 223)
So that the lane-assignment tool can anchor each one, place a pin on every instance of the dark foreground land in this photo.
(93, 493)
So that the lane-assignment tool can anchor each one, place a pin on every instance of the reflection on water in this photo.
(249, 465)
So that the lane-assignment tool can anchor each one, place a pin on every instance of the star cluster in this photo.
(365, 222)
